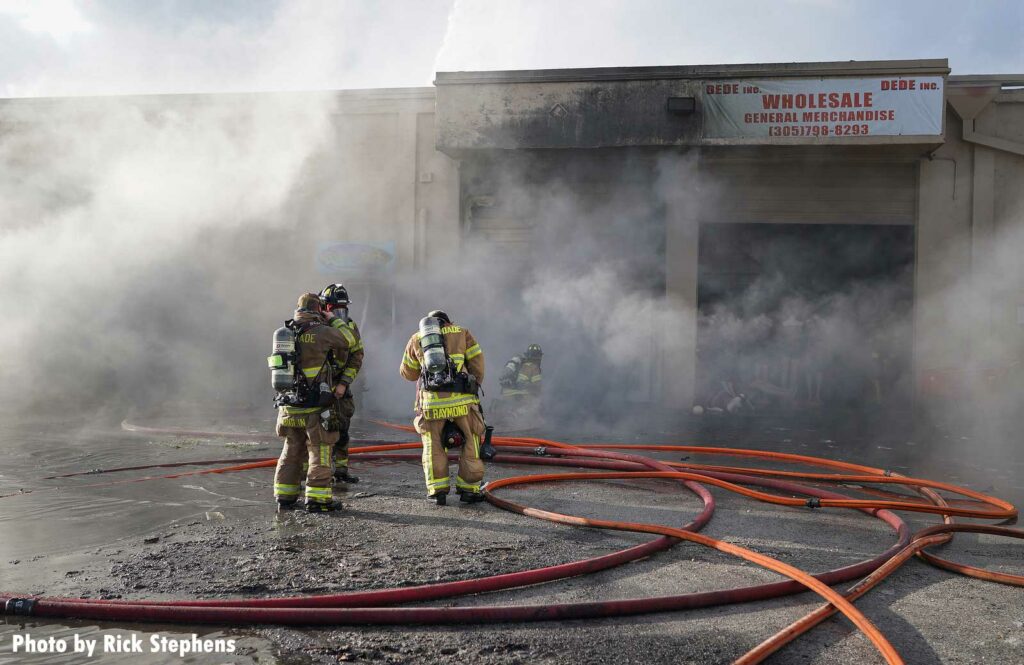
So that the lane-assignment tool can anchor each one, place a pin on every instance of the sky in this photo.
(100, 47)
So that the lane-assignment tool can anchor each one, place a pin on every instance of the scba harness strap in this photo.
(447, 377)
(304, 395)
(462, 383)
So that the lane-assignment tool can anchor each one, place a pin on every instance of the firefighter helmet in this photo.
(438, 314)
(533, 352)
(335, 295)
(309, 302)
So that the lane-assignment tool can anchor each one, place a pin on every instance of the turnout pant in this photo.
(305, 443)
(435, 457)
(344, 410)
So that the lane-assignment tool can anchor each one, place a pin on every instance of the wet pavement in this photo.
(218, 536)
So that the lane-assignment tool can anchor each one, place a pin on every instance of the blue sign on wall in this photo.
(355, 259)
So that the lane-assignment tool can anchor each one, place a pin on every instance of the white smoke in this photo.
(148, 245)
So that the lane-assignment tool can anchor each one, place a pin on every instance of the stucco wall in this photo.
(969, 280)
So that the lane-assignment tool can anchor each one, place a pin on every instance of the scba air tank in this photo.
(432, 344)
(282, 362)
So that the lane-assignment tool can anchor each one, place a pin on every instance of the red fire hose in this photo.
(369, 607)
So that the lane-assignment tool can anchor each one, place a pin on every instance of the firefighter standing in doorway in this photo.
(522, 375)
(336, 302)
(303, 425)
(448, 366)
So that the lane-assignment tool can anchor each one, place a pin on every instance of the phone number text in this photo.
(818, 130)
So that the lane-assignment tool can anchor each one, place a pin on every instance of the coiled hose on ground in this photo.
(378, 607)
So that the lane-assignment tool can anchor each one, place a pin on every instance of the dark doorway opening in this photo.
(804, 316)
(549, 223)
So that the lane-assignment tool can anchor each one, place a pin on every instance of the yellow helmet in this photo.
(310, 302)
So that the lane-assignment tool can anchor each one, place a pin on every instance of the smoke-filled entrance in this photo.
(804, 316)
(571, 249)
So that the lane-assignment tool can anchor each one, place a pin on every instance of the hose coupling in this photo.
(814, 502)
(20, 606)
(540, 451)
(888, 473)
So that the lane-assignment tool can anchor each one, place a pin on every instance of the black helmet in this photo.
(335, 295)
(438, 314)
(533, 352)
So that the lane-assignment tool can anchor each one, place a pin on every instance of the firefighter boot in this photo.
(342, 475)
(440, 497)
(322, 506)
(468, 496)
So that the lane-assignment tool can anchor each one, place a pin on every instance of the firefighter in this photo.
(448, 366)
(522, 375)
(302, 426)
(336, 302)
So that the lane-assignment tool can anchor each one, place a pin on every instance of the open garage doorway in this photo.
(572, 246)
(804, 317)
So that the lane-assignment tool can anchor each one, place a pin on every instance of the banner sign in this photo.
(823, 110)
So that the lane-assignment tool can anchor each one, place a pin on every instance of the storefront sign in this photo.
(823, 110)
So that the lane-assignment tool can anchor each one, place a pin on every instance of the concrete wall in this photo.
(383, 180)
(1006, 120)
(941, 322)
(437, 197)
(566, 115)
(682, 234)
(969, 281)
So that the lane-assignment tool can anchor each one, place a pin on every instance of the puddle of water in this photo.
(57, 527)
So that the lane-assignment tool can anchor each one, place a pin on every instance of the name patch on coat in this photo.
(446, 412)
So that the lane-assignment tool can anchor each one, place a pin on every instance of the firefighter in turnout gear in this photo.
(448, 366)
(303, 425)
(522, 376)
(336, 302)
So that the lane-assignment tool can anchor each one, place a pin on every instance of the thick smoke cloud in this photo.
(148, 245)
(556, 253)
(571, 254)
(123, 254)
(806, 316)
(980, 385)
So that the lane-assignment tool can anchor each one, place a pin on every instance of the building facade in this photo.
(879, 205)
(922, 170)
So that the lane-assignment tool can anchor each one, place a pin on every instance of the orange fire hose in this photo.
(734, 479)
(852, 613)
(925, 538)
(1002, 509)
